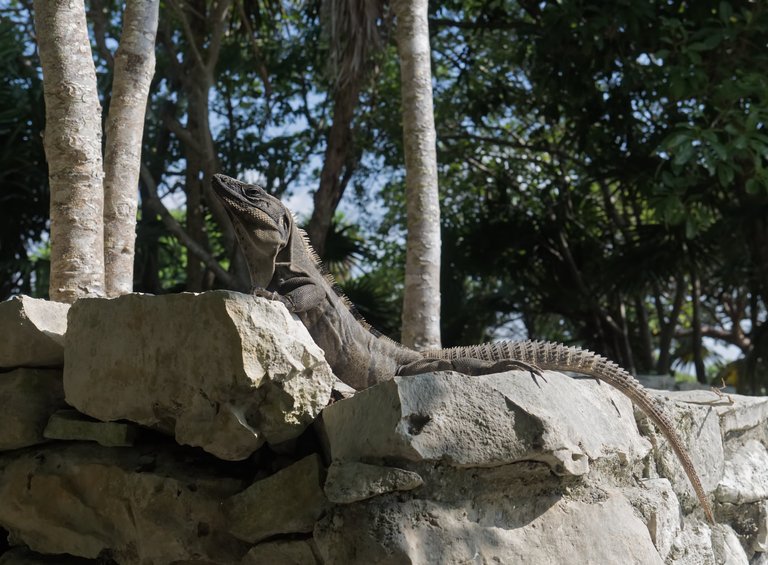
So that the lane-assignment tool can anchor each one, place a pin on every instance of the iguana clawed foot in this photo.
(269, 295)
(505, 365)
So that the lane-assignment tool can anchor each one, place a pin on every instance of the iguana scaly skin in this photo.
(284, 267)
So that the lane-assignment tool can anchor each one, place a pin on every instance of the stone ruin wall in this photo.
(197, 429)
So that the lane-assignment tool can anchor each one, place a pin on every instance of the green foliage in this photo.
(23, 176)
(595, 158)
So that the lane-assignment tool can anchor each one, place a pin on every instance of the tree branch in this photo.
(218, 18)
(188, 32)
(156, 206)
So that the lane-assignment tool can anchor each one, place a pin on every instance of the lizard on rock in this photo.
(284, 267)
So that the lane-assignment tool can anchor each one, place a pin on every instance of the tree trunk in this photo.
(73, 150)
(134, 67)
(335, 176)
(644, 331)
(421, 301)
(698, 361)
(668, 326)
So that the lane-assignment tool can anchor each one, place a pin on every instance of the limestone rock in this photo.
(352, 481)
(33, 332)
(297, 552)
(28, 397)
(737, 412)
(71, 425)
(485, 421)
(699, 428)
(91, 501)
(745, 478)
(220, 370)
(760, 542)
(660, 508)
(290, 501)
(728, 550)
(503, 530)
(693, 546)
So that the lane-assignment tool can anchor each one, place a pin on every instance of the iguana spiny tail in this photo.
(283, 267)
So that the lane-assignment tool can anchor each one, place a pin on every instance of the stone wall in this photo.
(196, 429)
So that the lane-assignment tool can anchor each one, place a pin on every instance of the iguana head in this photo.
(262, 223)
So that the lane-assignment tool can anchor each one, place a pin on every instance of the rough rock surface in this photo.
(745, 478)
(297, 552)
(736, 413)
(90, 501)
(294, 497)
(660, 509)
(33, 332)
(351, 481)
(386, 530)
(727, 547)
(71, 425)
(432, 468)
(699, 427)
(28, 397)
(220, 370)
(486, 421)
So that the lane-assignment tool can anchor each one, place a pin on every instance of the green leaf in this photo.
(675, 139)
(752, 186)
(725, 11)
(684, 155)
(719, 149)
(724, 174)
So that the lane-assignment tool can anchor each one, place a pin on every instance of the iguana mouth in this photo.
(247, 203)
(233, 188)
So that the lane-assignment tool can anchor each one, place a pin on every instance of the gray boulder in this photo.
(288, 502)
(33, 332)
(28, 398)
(486, 421)
(90, 501)
(220, 370)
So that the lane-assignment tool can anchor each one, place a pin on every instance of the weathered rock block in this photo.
(699, 429)
(33, 332)
(486, 421)
(72, 425)
(281, 553)
(660, 509)
(220, 370)
(726, 546)
(737, 413)
(693, 546)
(28, 397)
(504, 529)
(745, 478)
(91, 501)
(351, 481)
(288, 502)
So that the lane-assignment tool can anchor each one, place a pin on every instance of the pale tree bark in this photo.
(72, 142)
(421, 302)
(133, 70)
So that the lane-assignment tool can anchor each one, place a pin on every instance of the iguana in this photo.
(284, 267)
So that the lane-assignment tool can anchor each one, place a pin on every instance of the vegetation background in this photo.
(603, 166)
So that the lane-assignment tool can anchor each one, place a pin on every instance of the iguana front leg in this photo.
(467, 366)
(299, 294)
